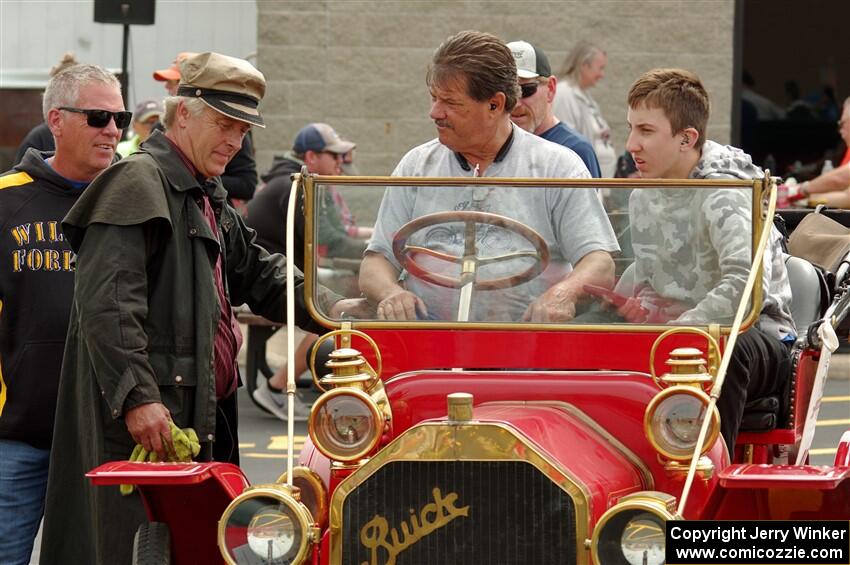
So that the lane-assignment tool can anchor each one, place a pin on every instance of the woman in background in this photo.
(584, 67)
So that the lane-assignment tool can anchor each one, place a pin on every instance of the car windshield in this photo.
(523, 251)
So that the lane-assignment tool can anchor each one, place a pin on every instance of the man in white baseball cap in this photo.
(533, 111)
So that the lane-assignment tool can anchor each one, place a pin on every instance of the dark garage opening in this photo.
(795, 59)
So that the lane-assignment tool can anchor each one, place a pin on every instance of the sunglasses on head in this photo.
(100, 118)
(529, 89)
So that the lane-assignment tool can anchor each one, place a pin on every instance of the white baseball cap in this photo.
(531, 62)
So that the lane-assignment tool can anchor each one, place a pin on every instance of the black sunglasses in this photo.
(100, 118)
(529, 89)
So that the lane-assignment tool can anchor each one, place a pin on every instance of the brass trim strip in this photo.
(761, 209)
(307, 183)
(468, 441)
(714, 355)
(573, 410)
(529, 182)
(510, 326)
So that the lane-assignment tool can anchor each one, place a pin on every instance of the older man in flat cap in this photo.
(240, 176)
(161, 258)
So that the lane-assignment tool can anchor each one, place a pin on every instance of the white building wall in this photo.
(35, 33)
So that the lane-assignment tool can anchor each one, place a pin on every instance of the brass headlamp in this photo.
(673, 418)
(348, 420)
(268, 524)
(633, 530)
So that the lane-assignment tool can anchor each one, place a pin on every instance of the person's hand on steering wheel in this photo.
(555, 305)
(402, 305)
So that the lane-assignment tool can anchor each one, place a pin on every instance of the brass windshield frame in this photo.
(308, 183)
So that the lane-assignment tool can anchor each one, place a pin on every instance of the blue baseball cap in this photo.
(320, 137)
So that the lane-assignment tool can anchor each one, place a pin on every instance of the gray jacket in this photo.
(694, 246)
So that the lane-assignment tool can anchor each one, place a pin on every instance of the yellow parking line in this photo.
(247, 445)
(835, 399)
(823, 451)
(264, 455)
(281, 442)
(841, 422)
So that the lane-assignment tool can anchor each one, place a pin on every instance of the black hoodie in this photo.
(266, 213)
(36, 289)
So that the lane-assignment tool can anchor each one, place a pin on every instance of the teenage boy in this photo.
(667, 117)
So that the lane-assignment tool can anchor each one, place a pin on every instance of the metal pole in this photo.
(124, 78)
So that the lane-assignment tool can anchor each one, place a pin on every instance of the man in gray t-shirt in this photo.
(473, 85)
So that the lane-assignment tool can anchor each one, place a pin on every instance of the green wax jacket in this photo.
(143, 323)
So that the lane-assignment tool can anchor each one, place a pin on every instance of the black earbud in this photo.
(492, 106)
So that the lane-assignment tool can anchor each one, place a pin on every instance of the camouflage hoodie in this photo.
(693, 246)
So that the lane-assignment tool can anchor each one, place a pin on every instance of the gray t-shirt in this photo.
(571, 221)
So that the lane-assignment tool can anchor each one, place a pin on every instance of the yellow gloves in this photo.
(186, 446)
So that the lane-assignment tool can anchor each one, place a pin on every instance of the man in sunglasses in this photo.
(161, 258)
(37, 285)
(533, 110)
(473, 84)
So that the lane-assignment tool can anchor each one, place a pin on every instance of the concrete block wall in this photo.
(360, 65)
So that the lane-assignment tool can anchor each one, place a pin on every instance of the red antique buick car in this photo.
(475, 433)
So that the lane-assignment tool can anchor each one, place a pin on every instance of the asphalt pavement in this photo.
(834, 415)
(263, 441)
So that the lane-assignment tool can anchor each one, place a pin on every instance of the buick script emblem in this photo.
(377, 535)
